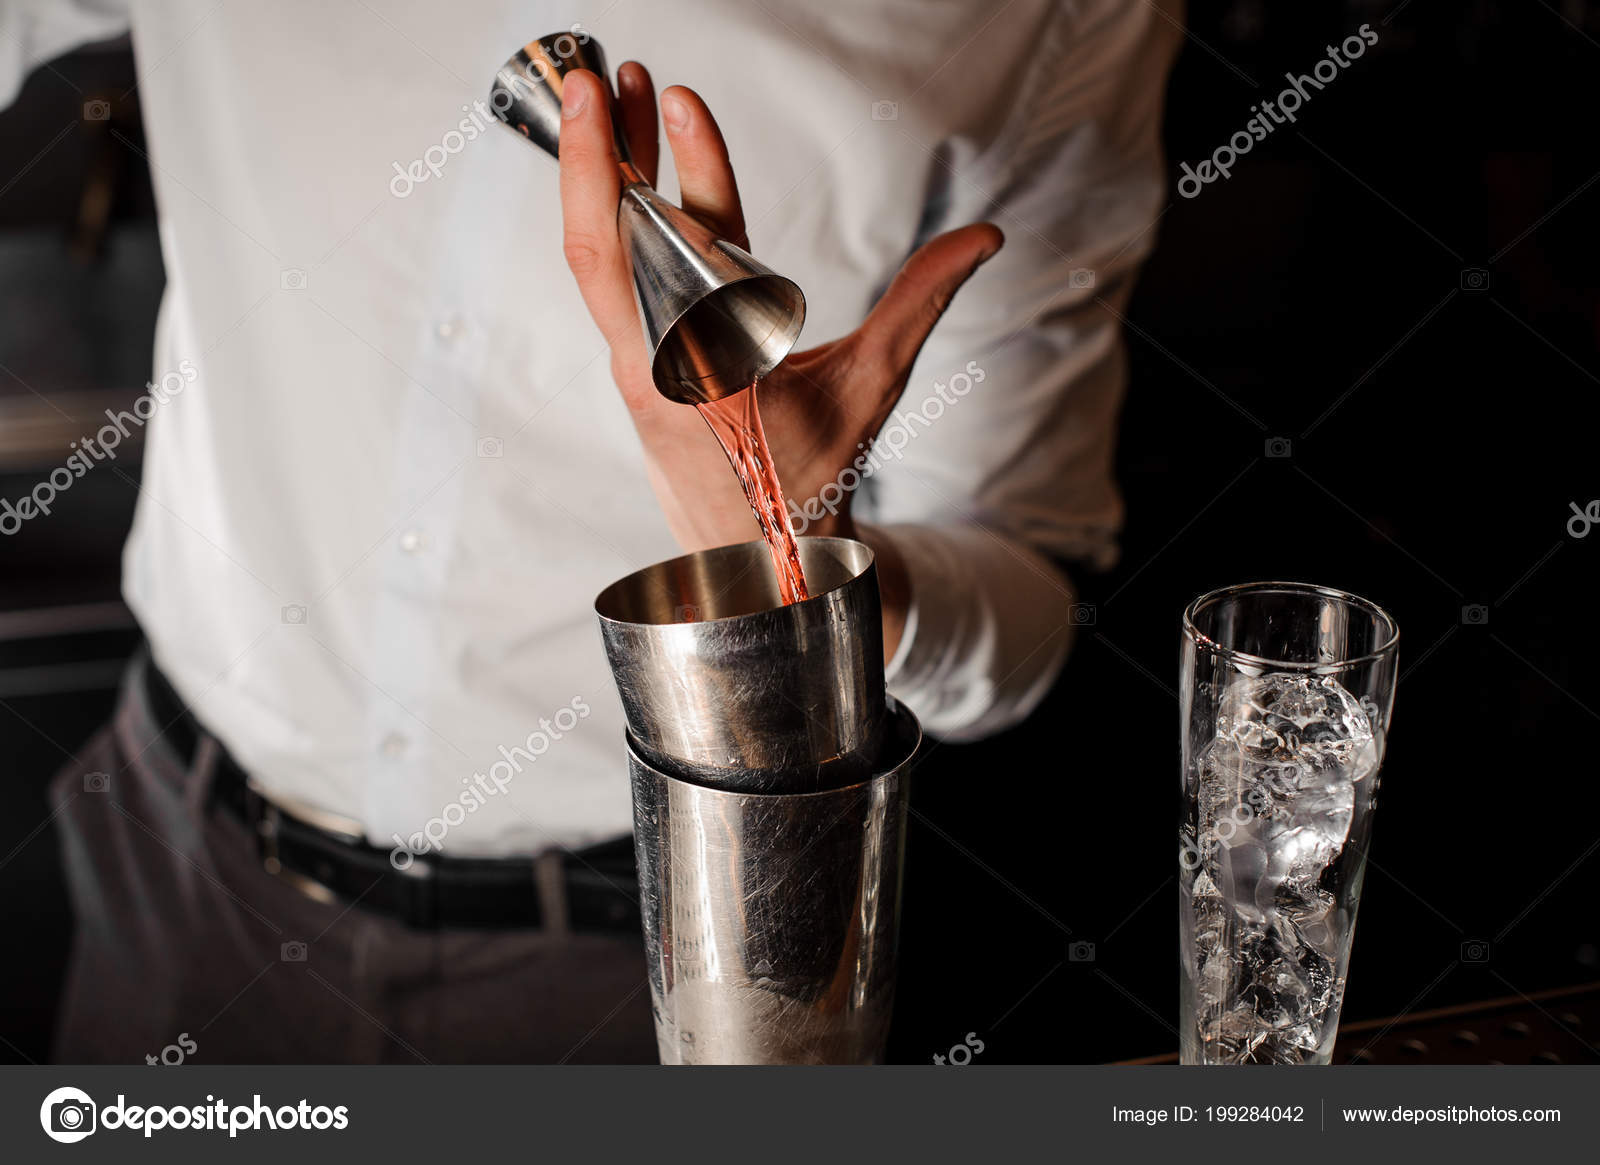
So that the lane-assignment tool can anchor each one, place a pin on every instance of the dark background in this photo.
(1319, 303)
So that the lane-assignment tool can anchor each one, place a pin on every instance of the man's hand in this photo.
(819, 406)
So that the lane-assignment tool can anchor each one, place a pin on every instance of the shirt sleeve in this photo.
(35, 31)
(998, 462)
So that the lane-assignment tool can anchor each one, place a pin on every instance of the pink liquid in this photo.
(736, 421)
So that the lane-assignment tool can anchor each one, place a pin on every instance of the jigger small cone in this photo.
(716, 319)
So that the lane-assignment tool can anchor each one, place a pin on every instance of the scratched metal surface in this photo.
(771, 921)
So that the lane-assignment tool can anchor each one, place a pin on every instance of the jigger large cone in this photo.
(715, 319)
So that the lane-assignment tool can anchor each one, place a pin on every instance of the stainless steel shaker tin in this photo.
(771, 920)
(724, 684)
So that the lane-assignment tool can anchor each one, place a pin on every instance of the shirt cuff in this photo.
(987, 629)
(908, 631)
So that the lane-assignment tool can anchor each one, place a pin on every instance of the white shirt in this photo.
(373, 525)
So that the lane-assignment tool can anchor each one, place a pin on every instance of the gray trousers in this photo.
(182, 937)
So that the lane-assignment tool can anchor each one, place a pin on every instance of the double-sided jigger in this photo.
(715, 318)
(769, 776)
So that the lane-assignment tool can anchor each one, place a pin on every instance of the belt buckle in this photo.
(266, 819)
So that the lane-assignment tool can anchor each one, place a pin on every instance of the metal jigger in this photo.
(716, 320)
(769, 776)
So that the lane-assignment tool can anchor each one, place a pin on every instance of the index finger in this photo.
(590, 188)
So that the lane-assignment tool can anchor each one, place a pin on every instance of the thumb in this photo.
(899, 323)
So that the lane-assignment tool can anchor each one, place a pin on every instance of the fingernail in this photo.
(572, 101)
(675, 113)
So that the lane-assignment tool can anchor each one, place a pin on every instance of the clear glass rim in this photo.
(1384, 620)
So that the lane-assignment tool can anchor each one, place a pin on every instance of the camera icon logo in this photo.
(1475, 615)
(1475, 951)
(491, 447)
(686, 613)
(292, 279)
(67, 1115)
(1081, 951)
(292, 952)
(1474, 279)
(883, 110)
(294, 613)
(96, 782)
(1081, 614)
(1279, 447)
(97, 110)
(1081, 277)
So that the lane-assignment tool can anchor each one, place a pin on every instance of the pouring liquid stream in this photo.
(736, 422)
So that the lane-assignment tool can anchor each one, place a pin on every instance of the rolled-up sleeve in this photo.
(997, 465)
(35, 31)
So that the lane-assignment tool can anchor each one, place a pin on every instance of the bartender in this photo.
(414, 447)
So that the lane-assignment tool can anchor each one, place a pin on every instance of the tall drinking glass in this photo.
(1286, 691)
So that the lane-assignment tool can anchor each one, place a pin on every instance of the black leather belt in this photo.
(596, 888)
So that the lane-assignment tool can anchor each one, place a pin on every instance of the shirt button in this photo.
(411, 541)
(393, 746)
